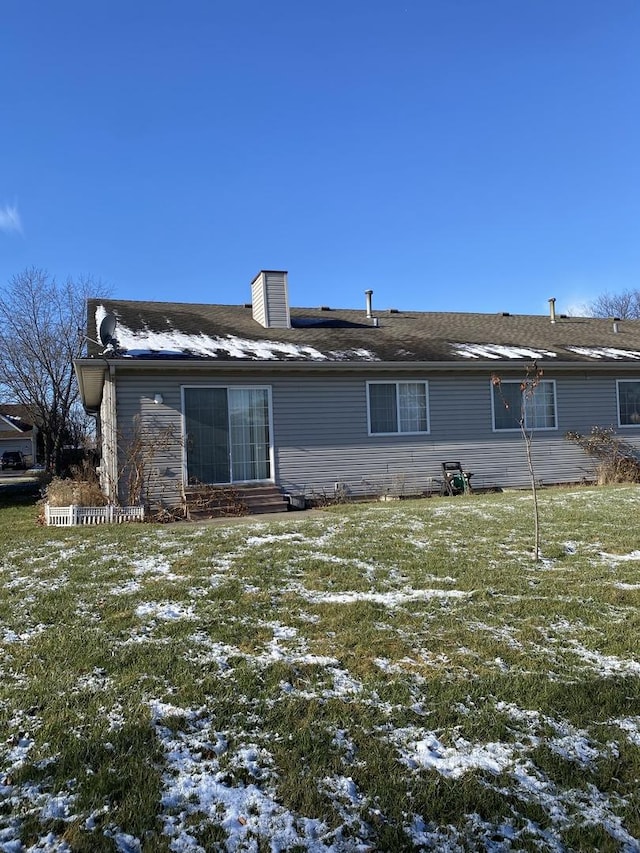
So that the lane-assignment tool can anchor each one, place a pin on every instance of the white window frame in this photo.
(398, 382)
(620, 424)
(551, 382)
(227, 386)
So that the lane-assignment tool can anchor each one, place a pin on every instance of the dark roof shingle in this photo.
(228, 332)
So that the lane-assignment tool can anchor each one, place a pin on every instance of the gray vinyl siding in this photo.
(320, 434)
(269, 300)
(151, 432)
(337, 449)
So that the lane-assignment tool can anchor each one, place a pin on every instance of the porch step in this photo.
(218, 501)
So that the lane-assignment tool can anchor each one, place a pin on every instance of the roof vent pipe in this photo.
(616, 327)
(552, 309)
(369, 294)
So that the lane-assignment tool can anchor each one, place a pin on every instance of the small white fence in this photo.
(68, 516)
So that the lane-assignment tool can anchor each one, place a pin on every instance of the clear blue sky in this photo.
(455, 155)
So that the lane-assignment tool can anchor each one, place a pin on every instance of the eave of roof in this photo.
(90, 373)
(90, 369)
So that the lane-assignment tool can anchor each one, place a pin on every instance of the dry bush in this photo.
(139, 452)
(72, 492)
(216, 501)
(619, 460)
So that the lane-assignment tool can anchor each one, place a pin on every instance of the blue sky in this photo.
(463, 155)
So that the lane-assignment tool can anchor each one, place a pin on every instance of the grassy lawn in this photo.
(376, 677)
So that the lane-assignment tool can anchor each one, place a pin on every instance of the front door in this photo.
(227, 434)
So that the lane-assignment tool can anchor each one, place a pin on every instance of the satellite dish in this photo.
(107, 328)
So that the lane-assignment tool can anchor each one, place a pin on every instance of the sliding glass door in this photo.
(227, 434)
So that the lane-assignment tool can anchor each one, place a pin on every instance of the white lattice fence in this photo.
(68, 516)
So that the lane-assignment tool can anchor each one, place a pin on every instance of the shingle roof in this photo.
(229, 333)
(17, 415)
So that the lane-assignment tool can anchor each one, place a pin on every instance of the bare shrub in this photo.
(216, 501)
(139, 452)
(340, 495)
(166, 515)
(75, 492)
(619, 460)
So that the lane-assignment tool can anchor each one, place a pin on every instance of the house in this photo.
(17, 432)
(319, 401)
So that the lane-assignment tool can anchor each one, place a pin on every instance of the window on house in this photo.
(398, 407)
(539, 406)
(628, 402)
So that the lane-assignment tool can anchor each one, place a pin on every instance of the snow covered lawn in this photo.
(382, 677)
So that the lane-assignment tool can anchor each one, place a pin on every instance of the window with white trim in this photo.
(510, 401)
(398, 407)
(628, 402)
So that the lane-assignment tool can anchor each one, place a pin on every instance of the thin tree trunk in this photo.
(534, 492)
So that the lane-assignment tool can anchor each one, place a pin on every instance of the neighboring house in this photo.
(17, 433)
(362, 402)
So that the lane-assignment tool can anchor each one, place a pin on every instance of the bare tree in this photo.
(531, 380)
(40, 320)
(625, 305)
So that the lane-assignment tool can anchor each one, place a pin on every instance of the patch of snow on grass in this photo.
(428, 752)
(387, 599)
(631, 727)
(575, 748)
(124, 589)
(219, 653)
(93, 682)
(10, 636)
(18, 752)
(605, 665)
(49, 843)
(156, 566)
(570, 743)
(247, 813)
(633, 556)
(58, 807)
(126, 843)
(165, 610)
(270, 538)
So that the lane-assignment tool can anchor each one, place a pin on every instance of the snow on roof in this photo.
(229, 333)
(605, 352)
(497, 351)
(175, 343)
(14, 421)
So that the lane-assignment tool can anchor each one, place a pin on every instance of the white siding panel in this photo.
(258, 302)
